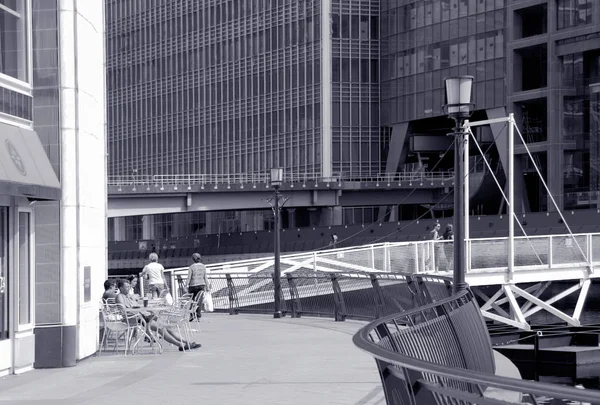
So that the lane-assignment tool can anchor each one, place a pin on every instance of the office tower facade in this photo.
(52, 135)
(538, 61)
(228, 87)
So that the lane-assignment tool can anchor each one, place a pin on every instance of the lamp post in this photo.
(459, 107)
(276, 180)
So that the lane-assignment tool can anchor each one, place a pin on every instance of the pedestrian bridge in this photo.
(158, 194)
(539, 261)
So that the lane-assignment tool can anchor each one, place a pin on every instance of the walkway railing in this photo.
(553, 254)
(440, 353)
(263, 178)
(341, 295)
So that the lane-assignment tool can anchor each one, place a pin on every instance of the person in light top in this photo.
(154, 271)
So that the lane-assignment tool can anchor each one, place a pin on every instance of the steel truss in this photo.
(517, 314)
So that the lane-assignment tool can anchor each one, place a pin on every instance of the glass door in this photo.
(24, 273)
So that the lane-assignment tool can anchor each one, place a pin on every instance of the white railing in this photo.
(552, 254)
(263, 178)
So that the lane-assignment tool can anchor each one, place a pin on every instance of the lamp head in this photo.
(276, 177)
(459, 90)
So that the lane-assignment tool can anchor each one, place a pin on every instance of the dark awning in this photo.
(25, 170)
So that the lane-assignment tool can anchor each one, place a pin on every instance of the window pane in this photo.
(24, 269)
(13, 34)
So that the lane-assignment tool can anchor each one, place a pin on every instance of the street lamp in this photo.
(276, 181)
(459, 107)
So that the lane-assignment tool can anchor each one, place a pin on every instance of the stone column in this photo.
(148, 227)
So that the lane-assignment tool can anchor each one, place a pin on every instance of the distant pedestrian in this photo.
(197, 282)
(154, 272)
(449, 246)
(334, 239)
(437, 249)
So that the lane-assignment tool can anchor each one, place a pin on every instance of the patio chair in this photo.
(124, 326)
(173, 317)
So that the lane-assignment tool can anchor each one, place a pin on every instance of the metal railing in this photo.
(440, 353)
(355, 295)
(263, 178)
(552, 253)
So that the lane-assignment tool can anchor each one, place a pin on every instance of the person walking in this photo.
(155, 273)
(448, 236)
(437, 249)
(197, 281)
(334, 239)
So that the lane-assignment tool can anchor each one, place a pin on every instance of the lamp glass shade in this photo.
(276, 176)
(458, 94)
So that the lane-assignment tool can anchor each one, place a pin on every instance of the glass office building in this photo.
(538, 61)
(224, 87)
(352, 88)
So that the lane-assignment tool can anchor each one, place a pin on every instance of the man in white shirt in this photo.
(156, 276)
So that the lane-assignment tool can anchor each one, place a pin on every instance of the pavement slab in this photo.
(244, 359)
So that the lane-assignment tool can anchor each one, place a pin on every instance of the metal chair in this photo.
(173, 317)
(125, 326)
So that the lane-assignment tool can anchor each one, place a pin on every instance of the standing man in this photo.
(197, 281)
(154, 271)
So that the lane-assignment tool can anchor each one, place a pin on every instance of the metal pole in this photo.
(276, 265)
(511, 195)
(459, 208)
(467, 192)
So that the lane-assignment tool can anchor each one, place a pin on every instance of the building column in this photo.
(291, 217)
(148, 227)
(83, 171)
(119, 229)
(331, 216)
(326, 89)
(555, 151)
(208, 229)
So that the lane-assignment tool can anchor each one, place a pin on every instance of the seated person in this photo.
(110, 290)
(133, 282)
(169, 335)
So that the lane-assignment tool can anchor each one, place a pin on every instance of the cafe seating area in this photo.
(128, 330)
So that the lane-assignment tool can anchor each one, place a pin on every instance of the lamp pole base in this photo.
(277, 314)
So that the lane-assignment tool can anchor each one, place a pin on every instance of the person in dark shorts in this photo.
(197, 280)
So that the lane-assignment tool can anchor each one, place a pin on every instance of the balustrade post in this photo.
(373, 257)
(314, 261)
(338, 299)
(423, 295)
(550, 253)
(416, 258)
(294, 296)
(386, 257)
(174, 291)
(378, 297)
(589, 252)
(233, 300)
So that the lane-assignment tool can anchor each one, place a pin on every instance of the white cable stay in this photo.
(503, 194)
(587, 259)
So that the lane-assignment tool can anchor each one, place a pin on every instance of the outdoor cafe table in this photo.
(148, 313)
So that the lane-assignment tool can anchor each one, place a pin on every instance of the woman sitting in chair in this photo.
(168, 334)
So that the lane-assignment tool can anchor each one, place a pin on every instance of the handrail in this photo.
(385, 245)
(362, 340)
(244, 178)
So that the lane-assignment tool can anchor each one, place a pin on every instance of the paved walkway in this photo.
(245, 359)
